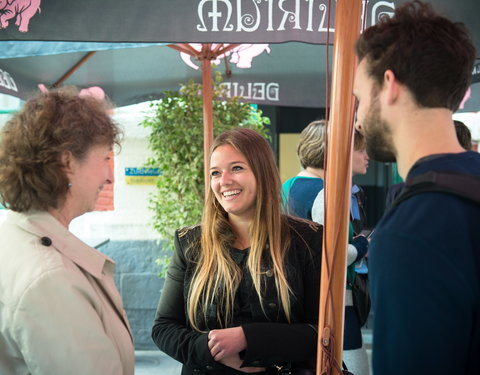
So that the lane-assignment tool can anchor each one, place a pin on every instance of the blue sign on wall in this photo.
(141, 176)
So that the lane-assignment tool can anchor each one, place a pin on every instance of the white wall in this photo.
(472, 120)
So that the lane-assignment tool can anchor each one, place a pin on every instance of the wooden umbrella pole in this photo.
(207, 116)
(72, 70)
(205, 55)
(337, 189)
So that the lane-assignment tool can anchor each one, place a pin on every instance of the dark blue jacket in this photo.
(424, 267)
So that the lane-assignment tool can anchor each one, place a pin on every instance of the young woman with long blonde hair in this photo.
(241, 294)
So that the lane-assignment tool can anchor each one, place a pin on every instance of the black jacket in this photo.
(271, 340)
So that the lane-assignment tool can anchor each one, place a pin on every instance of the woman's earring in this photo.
(69, 185)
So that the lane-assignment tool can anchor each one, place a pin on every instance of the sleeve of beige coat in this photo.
(58, 326)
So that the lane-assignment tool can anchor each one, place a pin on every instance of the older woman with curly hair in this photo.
(59, 309)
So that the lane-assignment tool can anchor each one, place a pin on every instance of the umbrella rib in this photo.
(228, 72)
(206, 52)
(185, 48)
(74, 68)
(217, 47)
(225, 49)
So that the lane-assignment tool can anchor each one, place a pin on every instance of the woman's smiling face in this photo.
(233, 182)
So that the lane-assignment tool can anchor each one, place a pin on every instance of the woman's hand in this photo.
(234, 361)
(226, 342)
(225, 346)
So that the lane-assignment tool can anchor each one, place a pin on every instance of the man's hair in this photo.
(311, 147)
(34, 139)
(463, 134)
(431, 55)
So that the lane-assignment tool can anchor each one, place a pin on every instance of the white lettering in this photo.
(310, 13)
(362, 21)
(244, 20)
(389, 13)
(292, 16)
(214, 15)
(476, 69)
(226, 89)
(273, 91)
(258, 91)
(201, 27)
(323, 8)
(249, 94)
(240, 91)
(7, 81)
(270, 15)
(277, 15)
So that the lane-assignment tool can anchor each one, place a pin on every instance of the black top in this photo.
(271, 339)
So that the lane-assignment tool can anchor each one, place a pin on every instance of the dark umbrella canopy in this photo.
(179, 21)
(202, 21)
(290, 74)
(132, 75)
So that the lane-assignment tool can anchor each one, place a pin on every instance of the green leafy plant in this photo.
(176, 142)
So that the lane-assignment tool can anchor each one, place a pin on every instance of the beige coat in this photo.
(60, 312)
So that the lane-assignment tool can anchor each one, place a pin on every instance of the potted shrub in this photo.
(176, 142)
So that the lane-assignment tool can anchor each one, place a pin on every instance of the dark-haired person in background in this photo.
(463, 134)
(424, 257)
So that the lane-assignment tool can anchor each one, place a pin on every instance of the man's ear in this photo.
(391, 86)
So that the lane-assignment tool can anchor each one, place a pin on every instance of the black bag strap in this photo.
(461, 184)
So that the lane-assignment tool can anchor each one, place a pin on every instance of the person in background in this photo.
(464, 135)
(424, 257)
(360, 160)
(464, 138)
(242, 290)
(300, 191)
(60, 312)
(354, 353)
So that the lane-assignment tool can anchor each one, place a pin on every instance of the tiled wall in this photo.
(136, 277)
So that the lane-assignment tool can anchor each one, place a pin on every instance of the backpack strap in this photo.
(460, 184)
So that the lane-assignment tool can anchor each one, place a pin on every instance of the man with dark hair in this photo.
(424, 259)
